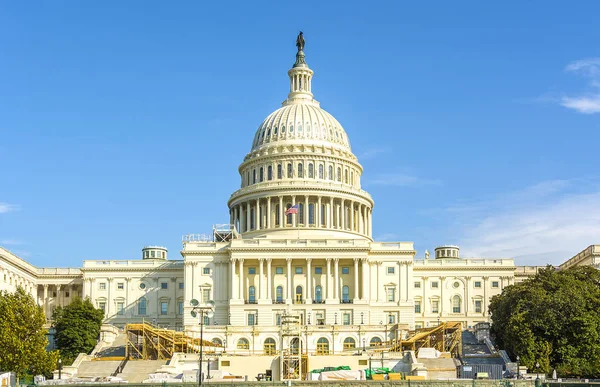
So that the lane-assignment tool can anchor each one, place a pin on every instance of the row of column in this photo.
(331, 290)
(338, 214)
(15, 280)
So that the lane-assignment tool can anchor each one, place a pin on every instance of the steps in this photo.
(136, 371)
(90, 369)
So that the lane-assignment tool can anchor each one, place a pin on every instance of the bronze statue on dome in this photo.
(300, 41)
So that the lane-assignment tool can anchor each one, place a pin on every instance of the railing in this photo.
(251, 302)
(347, 301)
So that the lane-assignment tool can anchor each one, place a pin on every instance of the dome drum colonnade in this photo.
(301, 156)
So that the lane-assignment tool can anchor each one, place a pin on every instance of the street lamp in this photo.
(364, 344)
(362, 315)
(200, 312)
(59, 368)
(537, 369)
(335, 318)
(518, 359)
(308, 318)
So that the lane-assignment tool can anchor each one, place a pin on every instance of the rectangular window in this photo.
(164, 307)
(391, 318)
(477, 284)
(206, 270)
(205, 295)
(278, 319)
(142, 307)
(417, 306)
(495, 284)
(318, 270)
(345, 270)
(346, 319)
(180, 307)
(435, 306)
(120, 307)
(477, 306)
(164, 285)
(279, 270)
(102, 306)
(120, 286)
(391, 294)
(391, 269)
(251, 319)
(181, 286)
(434, 284)
(298, 270)
(102, 285)
(251, 270)
(417, 285)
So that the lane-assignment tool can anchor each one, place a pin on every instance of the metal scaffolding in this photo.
(446, 337)
(294, 364)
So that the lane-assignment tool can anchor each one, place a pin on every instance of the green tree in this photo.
(23, 338)
(77, 328)
(552, 319)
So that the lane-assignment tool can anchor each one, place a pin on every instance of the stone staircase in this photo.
(90, 369)
(136, 371)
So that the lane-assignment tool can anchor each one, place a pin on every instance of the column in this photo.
(352, 216)
(109, 301)
(359, 223)
(467, 302)
(308, 281)
(328, 282)
(269, 285)
(442, 300)
(128, 310)
(485, 296)
(407, 281)
(355, 295)
(232, 290)
(281, 211)
(248, 214)
(46, 299)
(370, 222)
(58, 300)
(194, 265)
(257, 215)
(400, 281)
(306, 220)
(330, 210)
(294, 218)
(268, 213)
(365, 280)
(343, 216)
(319, 220)
(424, 284)
(261, 280)
(378, 264)
(231, 215)
(289, 280)
(241, 269)
(336, 289)
(242, 215)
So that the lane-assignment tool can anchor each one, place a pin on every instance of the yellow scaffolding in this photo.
(446, 337)
(148, 342)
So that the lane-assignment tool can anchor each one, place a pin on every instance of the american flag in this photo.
(292, 210)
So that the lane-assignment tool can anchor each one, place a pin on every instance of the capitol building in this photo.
(299, 242)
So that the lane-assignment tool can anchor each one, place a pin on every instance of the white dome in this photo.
(305, 123)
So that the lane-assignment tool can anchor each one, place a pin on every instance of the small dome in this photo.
(305, 123)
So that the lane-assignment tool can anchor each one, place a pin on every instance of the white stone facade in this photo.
(320, 263)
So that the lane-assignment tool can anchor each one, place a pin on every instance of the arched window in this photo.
(279, 295)
(311, 213)
(269, 346)
(248, 178)
(296, 346)
(299, 294)
(375, 342)
(142, 306)
(322, 346)
(252, 219)
(290, 171)
(289, 217)
(279, 171)
(456, 304)
(311, 171)
(254, 176)
(301, 213)
(352, 177)
(318, 294)
(349, 343)
(251, 294)
(321, 171)
(339, 174)
(346, 176)
(270, 173)
(276, 214)
(300, 170)
(262, 174)
(243, 344)
(275, 130)
(345, 294)
(323, 215)
(330, 172)
(216, 341)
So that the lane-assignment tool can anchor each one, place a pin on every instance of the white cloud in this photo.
(371, 153)
(401, 180)
(588, 103)
(546, 223)
(10, 242)
(5, 207)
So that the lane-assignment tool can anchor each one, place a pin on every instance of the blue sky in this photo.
(122, 124)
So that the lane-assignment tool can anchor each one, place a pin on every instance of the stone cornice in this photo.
(464, 268)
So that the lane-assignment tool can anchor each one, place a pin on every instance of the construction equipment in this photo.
(148, 342)
(446, 337)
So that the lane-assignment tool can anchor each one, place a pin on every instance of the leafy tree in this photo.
(23, 338)
(552, 319)
(77, 328)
